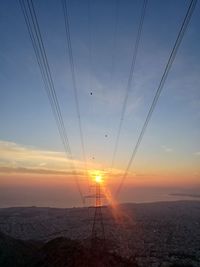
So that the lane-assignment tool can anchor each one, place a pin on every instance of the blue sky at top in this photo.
(25, 113)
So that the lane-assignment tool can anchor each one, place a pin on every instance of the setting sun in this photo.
(100, 140)
(98, 179)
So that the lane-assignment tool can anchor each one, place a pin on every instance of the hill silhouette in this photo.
(59, 252)
(14, 252)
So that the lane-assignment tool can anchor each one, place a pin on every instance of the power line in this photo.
(116, 22)
(42, 64)
(160, 87)
(31, 21)
(130, 78)
(90, 45)
(72, 67)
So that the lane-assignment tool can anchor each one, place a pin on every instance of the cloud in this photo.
(18, 158)
(21, 170)
(167, 149)
(197, 153)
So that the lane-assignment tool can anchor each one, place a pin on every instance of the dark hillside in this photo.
(59, 252)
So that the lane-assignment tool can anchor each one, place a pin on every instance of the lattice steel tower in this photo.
(98, 232)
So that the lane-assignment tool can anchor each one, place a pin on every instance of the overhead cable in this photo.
(130, 79)
(72, 67)
(160, 87)
(32, 24)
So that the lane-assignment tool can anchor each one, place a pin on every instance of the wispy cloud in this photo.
(32, 171)
(167, 149)
(16, 159)
(21, 159)
(197, 153)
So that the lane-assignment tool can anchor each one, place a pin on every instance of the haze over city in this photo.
(99, 136)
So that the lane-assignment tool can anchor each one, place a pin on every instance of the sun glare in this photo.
(98, 179)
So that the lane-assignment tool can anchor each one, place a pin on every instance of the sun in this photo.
(98, 179)
(96, 176)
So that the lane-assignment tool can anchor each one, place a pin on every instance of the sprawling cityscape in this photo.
(155, 234)
(100, 133)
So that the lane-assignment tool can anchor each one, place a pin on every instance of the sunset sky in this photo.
(34, 169)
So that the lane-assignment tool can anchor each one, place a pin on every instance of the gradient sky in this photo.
(31, 152)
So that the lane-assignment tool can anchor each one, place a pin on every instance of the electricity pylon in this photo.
(98, 232)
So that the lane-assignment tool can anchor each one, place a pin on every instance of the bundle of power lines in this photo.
(42, 60)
